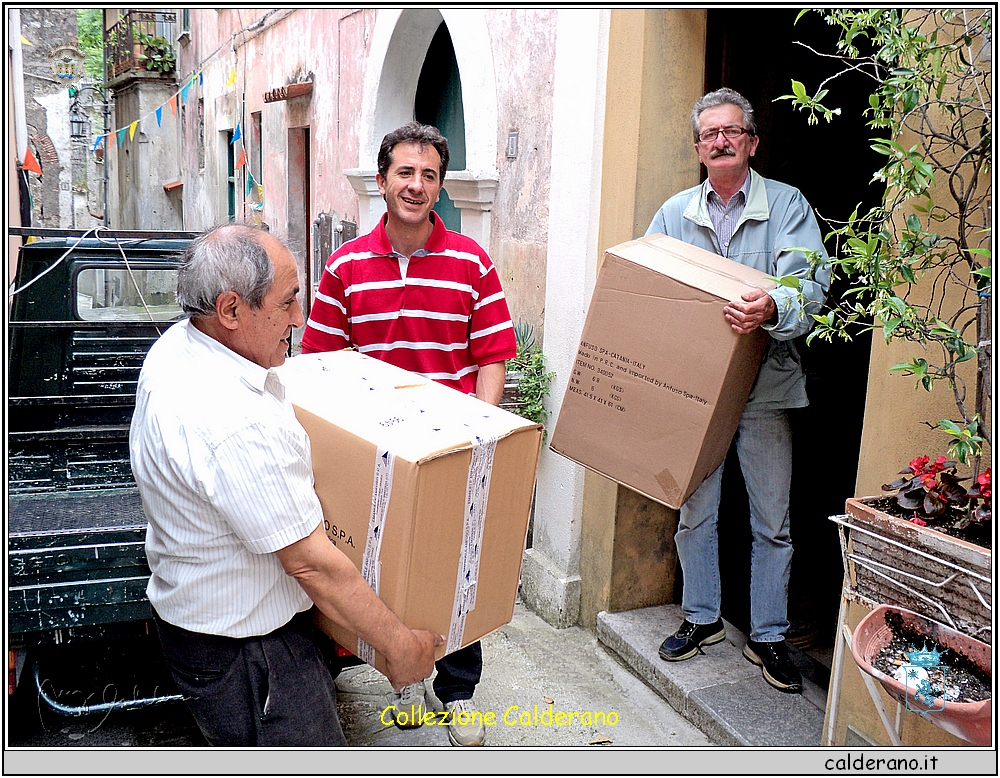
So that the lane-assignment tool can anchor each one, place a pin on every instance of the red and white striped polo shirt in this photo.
(445, 319)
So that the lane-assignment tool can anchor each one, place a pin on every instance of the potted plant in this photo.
(926, 545)
(155, 53)
(527, 382)
(918, 269)
(931, 669)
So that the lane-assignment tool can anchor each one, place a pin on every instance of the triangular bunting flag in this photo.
(131, 129)
(30, 163)
(201, 78)
(172, 102)
(236, 135)
(26, 42)
(159, 116)
(242, 160)
(121, 136)
(260, 191)
(97, 142)
(232, 79)
(184, 92)
(249, 183)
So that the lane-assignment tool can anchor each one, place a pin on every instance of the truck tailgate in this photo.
(76, 559)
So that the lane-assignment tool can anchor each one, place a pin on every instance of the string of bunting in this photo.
(171, 103)
(30, 162)
(241, 162)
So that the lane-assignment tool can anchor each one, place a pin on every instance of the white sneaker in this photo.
(408, 712)
(465, 724)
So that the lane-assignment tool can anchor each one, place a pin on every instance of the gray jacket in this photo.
(776, 218)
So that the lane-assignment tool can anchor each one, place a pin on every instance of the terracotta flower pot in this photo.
(944, 578)
(967, 720)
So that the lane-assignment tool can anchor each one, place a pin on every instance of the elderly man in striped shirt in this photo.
(236, 546)
(424, 298)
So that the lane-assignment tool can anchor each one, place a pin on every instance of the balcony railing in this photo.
(124, 42)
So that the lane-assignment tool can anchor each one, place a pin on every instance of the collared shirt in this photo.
(225, 474)
(443, 315)
(725, 216)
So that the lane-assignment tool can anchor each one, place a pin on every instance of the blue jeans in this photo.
(764, 445)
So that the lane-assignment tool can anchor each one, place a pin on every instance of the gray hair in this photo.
(228, 258)
(724, 96)
(414, 132)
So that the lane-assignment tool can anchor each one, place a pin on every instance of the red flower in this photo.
(918, 521)
(985, 481)
(917, 465)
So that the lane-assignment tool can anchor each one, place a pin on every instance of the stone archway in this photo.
(399, 43)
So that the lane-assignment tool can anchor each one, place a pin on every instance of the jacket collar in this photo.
(755, 209)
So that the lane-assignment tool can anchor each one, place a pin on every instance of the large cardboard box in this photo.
(660, 379)
(427, 490)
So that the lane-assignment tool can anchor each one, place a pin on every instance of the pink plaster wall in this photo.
(331, 47)
(327, 46)
(524, 44)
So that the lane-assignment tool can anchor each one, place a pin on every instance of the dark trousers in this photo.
(271, 690)
(458, 673)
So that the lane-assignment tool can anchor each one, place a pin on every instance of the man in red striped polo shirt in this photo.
(424, 298)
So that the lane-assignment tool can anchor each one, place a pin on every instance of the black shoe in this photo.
(778, 669)
(684, 643)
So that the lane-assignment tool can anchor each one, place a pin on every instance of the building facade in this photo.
(60, 106)
(569, 128)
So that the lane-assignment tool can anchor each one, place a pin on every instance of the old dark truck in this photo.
(83, 314)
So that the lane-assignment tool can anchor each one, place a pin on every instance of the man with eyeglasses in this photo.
(763, 224)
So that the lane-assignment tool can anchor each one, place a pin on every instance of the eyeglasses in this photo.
(709, 136)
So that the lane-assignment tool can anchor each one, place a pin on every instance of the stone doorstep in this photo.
(719, 691)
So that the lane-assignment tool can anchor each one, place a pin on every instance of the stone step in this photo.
(718, 691)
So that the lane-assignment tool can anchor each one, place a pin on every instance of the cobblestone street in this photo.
(526, 664)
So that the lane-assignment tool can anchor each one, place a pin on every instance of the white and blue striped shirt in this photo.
(225, 473)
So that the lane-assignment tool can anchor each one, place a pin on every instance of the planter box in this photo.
(895, 562)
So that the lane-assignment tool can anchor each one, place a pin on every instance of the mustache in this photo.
(725, 151)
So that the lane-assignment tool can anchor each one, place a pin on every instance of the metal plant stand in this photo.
(943, 589)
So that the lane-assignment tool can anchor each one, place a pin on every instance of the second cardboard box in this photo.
(660, 379)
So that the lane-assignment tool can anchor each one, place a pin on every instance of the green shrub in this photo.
(535, 381)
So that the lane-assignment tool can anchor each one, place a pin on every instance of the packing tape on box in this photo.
(370, 563)
(477, 492)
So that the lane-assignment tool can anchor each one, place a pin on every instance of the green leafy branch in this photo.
(932, 109)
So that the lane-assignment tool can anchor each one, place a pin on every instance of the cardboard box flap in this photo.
(693, 266)
(415, 418)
